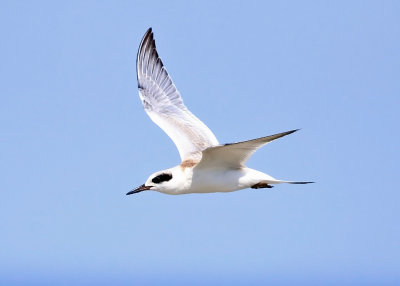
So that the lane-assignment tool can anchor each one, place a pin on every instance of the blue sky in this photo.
(75, 139)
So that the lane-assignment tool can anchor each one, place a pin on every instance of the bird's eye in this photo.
(161, 178)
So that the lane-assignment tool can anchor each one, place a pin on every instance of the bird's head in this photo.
(167, 181)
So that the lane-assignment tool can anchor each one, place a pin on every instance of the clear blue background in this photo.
(74, 139)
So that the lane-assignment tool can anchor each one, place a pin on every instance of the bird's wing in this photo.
(163, 103)
(234, 155)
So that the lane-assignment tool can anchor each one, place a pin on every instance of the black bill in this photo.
(138, 190)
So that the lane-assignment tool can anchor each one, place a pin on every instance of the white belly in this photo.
(211, 181)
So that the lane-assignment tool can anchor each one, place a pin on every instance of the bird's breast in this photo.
(216, 180)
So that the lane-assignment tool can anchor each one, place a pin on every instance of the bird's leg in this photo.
(261, 185)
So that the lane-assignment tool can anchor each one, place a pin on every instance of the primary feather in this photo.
(235, 155)
(163, 103)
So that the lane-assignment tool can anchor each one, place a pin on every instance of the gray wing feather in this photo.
(235, 155)
(163, 103)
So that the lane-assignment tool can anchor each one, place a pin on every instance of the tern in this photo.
(206, 166)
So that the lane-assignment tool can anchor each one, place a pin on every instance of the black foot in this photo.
(261, 186)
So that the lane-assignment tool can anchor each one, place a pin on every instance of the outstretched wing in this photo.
(235, 155)
(163, 103)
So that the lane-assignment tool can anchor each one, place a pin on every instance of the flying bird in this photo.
(206, 166)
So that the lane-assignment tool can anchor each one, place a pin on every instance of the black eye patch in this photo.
(161, 178)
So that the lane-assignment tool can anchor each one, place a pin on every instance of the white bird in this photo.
(206, 165)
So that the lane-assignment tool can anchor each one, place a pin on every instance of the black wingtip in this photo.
(147, 39)
(285, 133)
(294, 130)
(146, 35)
(301, 183)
